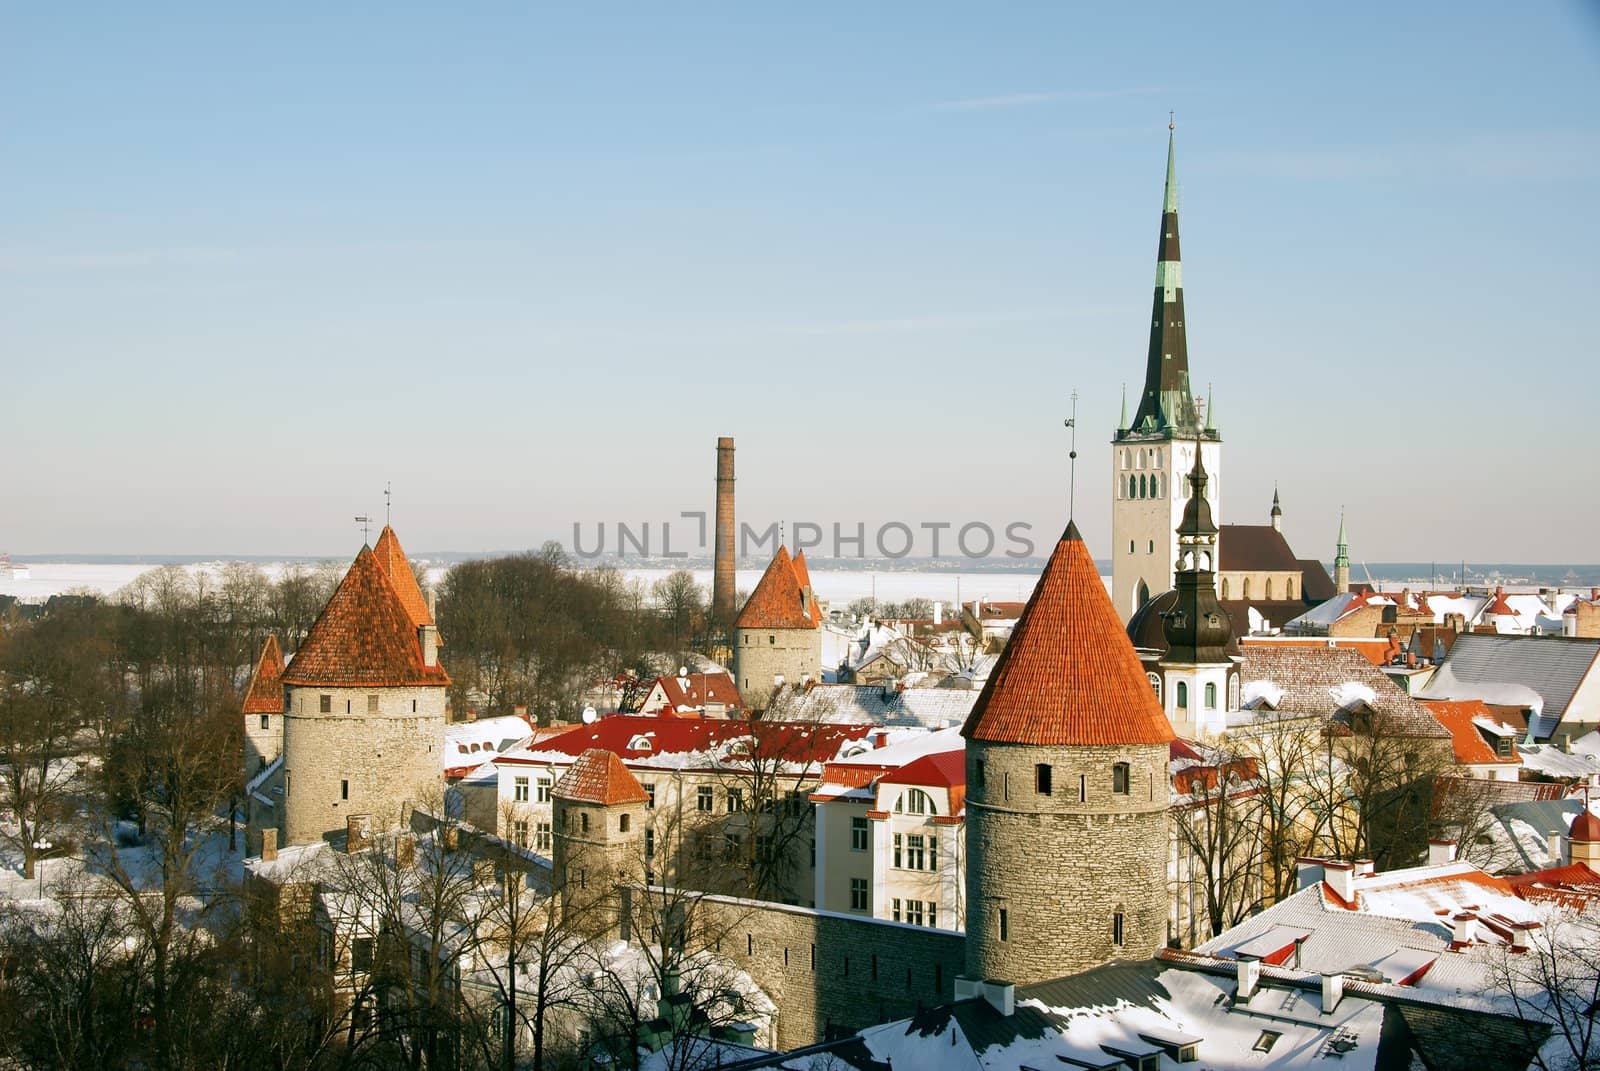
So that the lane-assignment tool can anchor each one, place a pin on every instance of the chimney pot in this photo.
(1341, 878)
(1332, 992)
(1441, 851)
(1249, 974)
(1002, 996)
(1463, 928)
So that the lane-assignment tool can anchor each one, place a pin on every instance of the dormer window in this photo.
(640, 743)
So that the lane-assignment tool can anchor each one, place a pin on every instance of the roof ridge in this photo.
(265, 692)
(779, 599)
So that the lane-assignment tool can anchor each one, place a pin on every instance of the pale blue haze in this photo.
(528, 262)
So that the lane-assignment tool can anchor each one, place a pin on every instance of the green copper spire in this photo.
(1122, 421)
(1211, 411)
(1170, 203)
(1344, 544)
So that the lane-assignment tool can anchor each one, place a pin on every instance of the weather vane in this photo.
(1170, 123)
(1072, 457)
(386, 501)
(366, 526)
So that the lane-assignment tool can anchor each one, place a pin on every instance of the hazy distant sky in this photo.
(528, 263)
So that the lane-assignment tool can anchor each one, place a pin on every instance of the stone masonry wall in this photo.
(762, 653)
(831, 974)
(387, 758)
(1062, 867)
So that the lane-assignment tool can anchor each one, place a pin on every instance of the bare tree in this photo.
(1287, 753)
(1554, 988)
(1218, 827)
(682, 602)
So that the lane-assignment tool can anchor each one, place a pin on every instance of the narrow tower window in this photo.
(1005, 930)
(344, 790)
(1116, 928)
(1041, 778)
(1119, 778)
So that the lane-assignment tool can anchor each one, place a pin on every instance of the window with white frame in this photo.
(519, 790)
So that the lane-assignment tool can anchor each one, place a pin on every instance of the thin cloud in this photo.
(1024, 100)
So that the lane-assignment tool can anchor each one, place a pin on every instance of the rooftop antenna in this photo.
(386, 502)
(1072, 456)
(366, 527)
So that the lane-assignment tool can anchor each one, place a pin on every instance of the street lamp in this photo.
(40, 847)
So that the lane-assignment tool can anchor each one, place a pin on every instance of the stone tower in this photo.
(1150, 455)
(1067, 790)
(263, 711)
(598, 810)
(1341, 561)
(1199, 677)
(364, 703)
(777, 636)
(723, 592)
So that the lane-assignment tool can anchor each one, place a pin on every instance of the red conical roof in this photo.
(392, 557)
(777, 602)
(600, 777)
(265, 694)
(364, 637)
(1068, 675)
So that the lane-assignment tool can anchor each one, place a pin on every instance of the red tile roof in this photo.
(942, 769)
(1585, 827)
(364, 637)
(1069, 675)
(777, 601)
(800, 571)
(265, 694)
(599, 777)
(695, 690)
(393, 558)
(1374, 650)
(667, 738)
(1470, 747)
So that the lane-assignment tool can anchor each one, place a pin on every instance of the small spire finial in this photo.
(365, 521)
(387, 501)
(1171, 124)
(1072, 457)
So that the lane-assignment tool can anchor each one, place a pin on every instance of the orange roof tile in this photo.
(1470, 746)
(600, 777)
(1069, 675)
(265, 694)
(392, 557)
(363, 637)
(777, 601)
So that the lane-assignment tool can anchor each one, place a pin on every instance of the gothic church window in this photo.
(1269, 587)
(1183, 695)
(1224, 588)
(1247, 587)
(1288, 589)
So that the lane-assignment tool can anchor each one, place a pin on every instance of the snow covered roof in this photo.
(873, 704)
(1328, 682)
(1541, 673)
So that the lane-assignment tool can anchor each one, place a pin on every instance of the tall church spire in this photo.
(1341, 560)
(1167, 403)
(1197, 628)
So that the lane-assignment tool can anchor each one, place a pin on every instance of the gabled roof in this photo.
(1330, 682)
(265, 694)
(942, 769)
(1069, 675)
(1459, 716)
(392, 557)
(779, 600)
(1497, 668)
(364, 637)
(1254, 548)
(693, 691)
(1315, 583)
(599, 777)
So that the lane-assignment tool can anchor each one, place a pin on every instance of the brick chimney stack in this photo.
(722, 579)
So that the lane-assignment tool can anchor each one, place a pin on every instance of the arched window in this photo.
(1233, 693)
(1119, 778)
(1224, 588)
(1247, 587)
(914, 801)
(1183, 696)
(1143, 486)
(1155, 684)
(1269, 587)
(1211, 695)
(1138, 461)
(1155, 484)
(1133, 486)
(1144, 594)
(1288, 588)
(1124, 459)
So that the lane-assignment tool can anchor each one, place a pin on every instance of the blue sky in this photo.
(528, 263)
